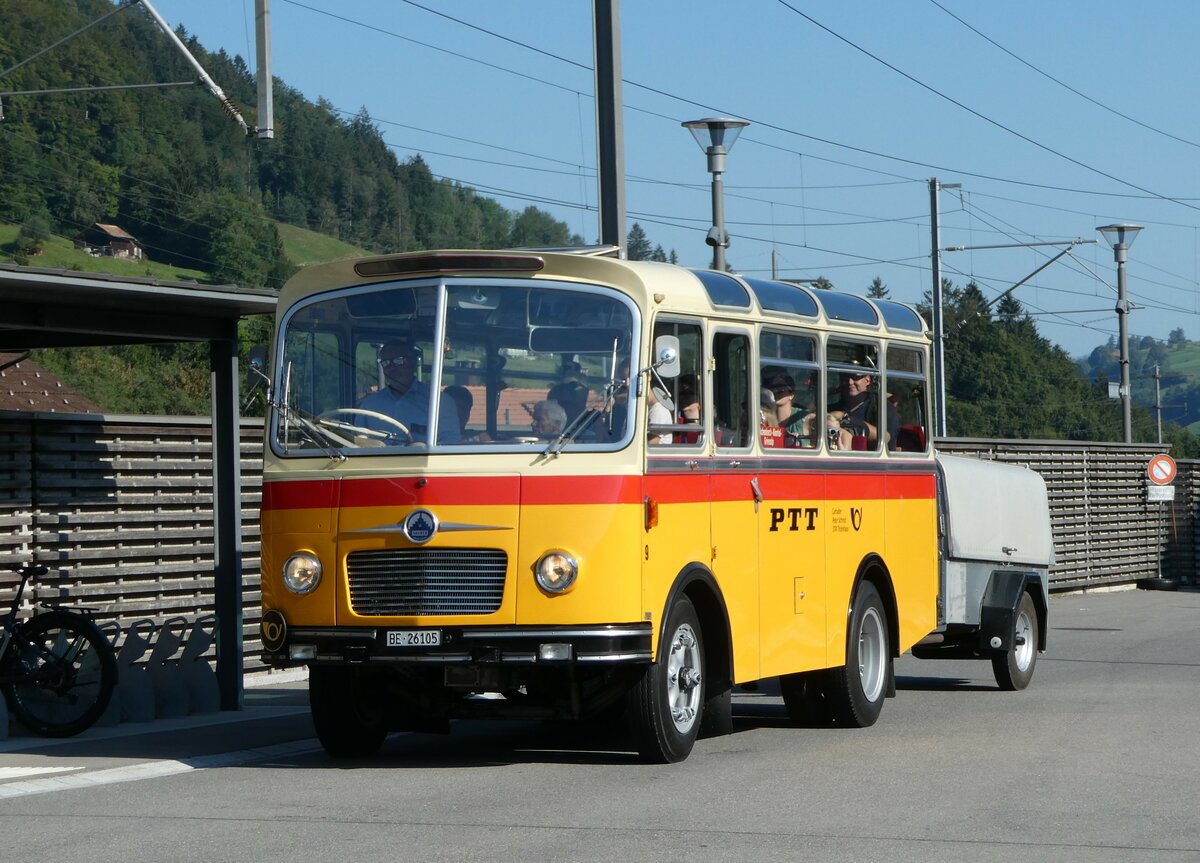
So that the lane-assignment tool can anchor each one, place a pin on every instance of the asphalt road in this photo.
(1096, 761)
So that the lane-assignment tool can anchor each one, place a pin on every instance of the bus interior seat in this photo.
(911, 438)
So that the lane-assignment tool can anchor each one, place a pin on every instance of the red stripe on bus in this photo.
(690, 487)
(302, 494)
(431, 491)
(581, 489)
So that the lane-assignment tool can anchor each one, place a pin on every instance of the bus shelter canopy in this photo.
(64, 308)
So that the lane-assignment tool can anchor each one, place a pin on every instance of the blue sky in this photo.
(853, 110)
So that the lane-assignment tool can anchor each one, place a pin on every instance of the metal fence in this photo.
(120, 508)
(1105, 529)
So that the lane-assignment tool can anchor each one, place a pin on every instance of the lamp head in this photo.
(716, 132)
(1120, 235)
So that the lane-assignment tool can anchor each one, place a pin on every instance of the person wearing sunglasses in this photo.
(856, 414)
(406, 399)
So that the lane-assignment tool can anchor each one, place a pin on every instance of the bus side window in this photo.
(684, 398)
(789, 380)
(906, 389)
(735, 422)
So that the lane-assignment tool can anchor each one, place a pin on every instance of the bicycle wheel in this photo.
(62, 673)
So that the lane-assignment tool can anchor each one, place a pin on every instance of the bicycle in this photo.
(57, 670)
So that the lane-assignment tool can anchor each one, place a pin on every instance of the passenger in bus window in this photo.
(856, 413)
(659, 414)
(463, 403)
(406, 399)
(689, 409)
(549, 419)
(796, 422)
(570, 392)
(620, 402)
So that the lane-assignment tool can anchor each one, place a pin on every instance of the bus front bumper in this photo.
(456, 645)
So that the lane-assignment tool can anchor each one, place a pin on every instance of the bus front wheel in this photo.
(666, 701)
(349, 720)
(857, 690)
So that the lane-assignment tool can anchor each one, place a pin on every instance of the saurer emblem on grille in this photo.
(420, 526)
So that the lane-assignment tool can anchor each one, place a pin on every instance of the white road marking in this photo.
(153, 769)
(19, 772)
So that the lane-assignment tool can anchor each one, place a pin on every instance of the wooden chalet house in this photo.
(102, 240)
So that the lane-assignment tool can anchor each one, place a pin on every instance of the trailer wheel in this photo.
(856, 690)
(665, 703)
(1014, 667)
(350, 723)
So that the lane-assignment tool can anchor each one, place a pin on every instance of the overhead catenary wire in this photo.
(514, 192)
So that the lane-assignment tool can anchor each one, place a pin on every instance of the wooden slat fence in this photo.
(120, 509)
(1105, 530)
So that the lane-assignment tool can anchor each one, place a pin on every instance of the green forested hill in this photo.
(203, 199)
(171, 168)
(1005, 380)
(1175, 362)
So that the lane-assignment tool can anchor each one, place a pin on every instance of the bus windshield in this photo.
(449, 364)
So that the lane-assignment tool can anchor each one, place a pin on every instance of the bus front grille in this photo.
(426, 581)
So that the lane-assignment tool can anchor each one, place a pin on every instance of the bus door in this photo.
(791, 526)
(732, 492)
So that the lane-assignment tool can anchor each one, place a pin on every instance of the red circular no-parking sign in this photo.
(1161, 469)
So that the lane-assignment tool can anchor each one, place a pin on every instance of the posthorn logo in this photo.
(420, 526)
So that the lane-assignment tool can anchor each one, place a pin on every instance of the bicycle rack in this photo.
(170, 690)
(198, 674)
(135, 690)
(112, 714)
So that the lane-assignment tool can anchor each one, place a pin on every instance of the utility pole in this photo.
(1158, 400)
(266, 91)
(610, 128)
(939, 335)
(1121, 237)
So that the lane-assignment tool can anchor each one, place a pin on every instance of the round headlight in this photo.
(302, 572)
(556, 571)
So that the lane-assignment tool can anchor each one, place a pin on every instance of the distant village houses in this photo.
(102, 240)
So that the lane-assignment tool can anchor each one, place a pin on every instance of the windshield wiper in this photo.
(572, 431)
(322, 438)
(581, 422)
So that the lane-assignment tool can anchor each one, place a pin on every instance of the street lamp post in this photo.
(716, 135)
(1121, 237)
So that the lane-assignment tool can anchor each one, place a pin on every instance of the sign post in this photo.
(1161, 471)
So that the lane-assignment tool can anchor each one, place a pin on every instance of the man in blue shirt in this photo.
(406, 399)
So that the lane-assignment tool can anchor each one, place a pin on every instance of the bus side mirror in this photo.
(666, 356)
(256, 368)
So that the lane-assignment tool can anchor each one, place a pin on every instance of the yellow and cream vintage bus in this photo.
(560, 484)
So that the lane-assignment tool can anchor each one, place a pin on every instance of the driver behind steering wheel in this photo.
(406, 399)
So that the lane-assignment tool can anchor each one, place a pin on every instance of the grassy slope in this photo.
(304, 247)
(59, 252)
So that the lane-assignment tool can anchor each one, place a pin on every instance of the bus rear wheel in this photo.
(857, 689)
(349, 718)
(666, 701)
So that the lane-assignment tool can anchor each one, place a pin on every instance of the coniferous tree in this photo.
(637, 245)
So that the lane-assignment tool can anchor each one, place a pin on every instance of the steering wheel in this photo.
(327, 419)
